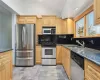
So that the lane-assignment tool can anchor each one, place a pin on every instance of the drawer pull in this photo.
(99, 18)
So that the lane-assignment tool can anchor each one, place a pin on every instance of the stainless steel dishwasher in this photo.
(77, 67)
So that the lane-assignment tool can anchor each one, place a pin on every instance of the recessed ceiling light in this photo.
(40, 0)
(76, 9)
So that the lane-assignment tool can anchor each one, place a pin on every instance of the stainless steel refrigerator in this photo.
(25, 45)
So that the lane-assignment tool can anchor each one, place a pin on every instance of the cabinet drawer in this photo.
(21, 20)
(30, 20)
(92, 71)
(5, 58)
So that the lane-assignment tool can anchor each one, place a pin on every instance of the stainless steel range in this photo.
(48, 42)
(49, 56)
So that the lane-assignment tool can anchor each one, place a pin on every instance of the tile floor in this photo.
(39, 72)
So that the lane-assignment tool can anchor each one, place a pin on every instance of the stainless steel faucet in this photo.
(82, 44)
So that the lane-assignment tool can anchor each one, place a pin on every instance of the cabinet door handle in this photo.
(98, 17)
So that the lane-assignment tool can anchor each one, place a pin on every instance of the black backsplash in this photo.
(89, 42)
(64, 39)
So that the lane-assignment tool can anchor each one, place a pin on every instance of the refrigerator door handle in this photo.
(23, 36)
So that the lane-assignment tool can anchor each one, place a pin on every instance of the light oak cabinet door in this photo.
(30, 20)
(49, 21)
(92, 71)
(38, 55)
(21, 19)
(70, 26)
(0, 68)
(66, 60)
(97, 11)
(58, 26)
(3, 73)
(38, 29)
(63, 56)
(61, 27)
(59, 55)
(6, 66)
(64, 27)
(26, 19)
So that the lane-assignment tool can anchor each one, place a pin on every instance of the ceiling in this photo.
(61, 8)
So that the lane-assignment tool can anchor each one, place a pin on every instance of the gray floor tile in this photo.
(39, 72)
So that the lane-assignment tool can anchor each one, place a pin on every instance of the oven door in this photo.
(48, 52)
(46, 31)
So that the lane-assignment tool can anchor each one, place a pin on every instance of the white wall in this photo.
(13, 36)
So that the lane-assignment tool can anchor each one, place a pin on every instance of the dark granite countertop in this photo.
(4, 50)
(88, 53)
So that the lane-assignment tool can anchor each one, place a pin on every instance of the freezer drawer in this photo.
(24, 62)
(24, 54)
(49, 62)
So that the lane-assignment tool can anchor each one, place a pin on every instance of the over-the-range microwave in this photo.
(48, 30)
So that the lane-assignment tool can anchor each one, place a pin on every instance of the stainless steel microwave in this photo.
(48, 30)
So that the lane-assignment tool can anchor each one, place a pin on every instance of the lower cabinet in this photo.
(59, 55)
(92, 71)
(66, 60)
(38, 54)
(6, 66)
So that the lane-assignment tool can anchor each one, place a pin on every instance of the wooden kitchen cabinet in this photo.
(58, 26)
(38, 54)
(70, 26)
(92, 70)
(30, 20)
(59, 55)
(26, 19)
(49, 20)
(38, 29)
(6, 66)
(66, 60)
(61, 27)
(21, 19)
(97, 11)
(65, 26)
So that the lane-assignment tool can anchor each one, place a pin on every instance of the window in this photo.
(80, 28)
(90, 28)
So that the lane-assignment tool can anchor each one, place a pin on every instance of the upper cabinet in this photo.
(21, 20)
(26, 19)
(58, 26)
(97, 11)
(70, 26)
(30, 19)
(49, 20)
